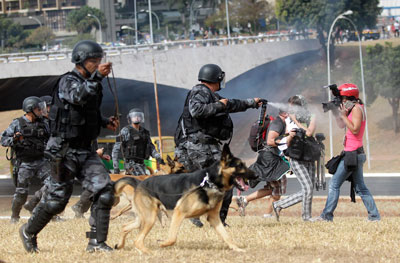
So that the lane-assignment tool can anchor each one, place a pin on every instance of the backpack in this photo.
(258, 134)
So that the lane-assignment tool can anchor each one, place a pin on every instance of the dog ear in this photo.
(226, 153)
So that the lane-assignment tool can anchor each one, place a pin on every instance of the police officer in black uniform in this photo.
(75, 123)
(135, 143)
(31, 204)
(205, 122)
(27, 136)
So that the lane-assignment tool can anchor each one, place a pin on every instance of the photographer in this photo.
(270, 166)
(303, 168)
(351, 116)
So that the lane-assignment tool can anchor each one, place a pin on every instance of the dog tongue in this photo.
(244, 186)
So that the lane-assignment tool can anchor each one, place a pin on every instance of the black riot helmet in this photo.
(211, 73)
(86, 49)
(135, 116)
(31, 103)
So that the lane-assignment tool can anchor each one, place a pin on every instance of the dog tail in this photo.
(121, 183)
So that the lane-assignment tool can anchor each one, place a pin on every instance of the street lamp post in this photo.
(343, 16)
(151, 24)
(98, 21)
(227, 19)
(40, 24)
(136, 33)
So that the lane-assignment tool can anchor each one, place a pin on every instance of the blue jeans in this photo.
(334, 190)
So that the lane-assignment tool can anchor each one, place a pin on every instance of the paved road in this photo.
(382, 186)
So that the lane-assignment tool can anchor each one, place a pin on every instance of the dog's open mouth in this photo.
(241, 184)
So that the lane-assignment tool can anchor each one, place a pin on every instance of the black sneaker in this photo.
(94, 246)
(77, 211)
(29, 241)
(196, 222)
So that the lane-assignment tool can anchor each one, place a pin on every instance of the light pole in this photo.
(343, 16)
(227, 19)
(40, 24)
(158, 20)
(136, 34)
(151, 24)
(98, 21)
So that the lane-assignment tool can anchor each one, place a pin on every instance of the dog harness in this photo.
(206, 179)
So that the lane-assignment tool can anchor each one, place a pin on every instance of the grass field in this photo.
(350, 238)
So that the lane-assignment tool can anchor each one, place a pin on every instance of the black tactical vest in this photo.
(219, 126)
(136, 148)
(77, 124)
(35, 137)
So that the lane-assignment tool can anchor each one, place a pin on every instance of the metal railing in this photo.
(134, 49)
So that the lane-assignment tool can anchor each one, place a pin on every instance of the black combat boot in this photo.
(36, 223)
(17, 203)
(83, 205)
(196, 221)
(94, 245)
(29, 241)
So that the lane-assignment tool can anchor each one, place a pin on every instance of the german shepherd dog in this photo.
(172, 167)
(187, 195)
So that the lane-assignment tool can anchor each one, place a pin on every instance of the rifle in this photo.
(320, 183)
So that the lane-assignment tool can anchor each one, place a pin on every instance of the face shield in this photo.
(43, 108)
(222, 82)
(136, 117)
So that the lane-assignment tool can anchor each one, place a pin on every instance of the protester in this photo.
(270, 166)
(303, 168)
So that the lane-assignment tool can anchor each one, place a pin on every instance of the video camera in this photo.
(337, 99)
(301, 133)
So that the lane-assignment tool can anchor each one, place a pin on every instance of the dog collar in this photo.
(206, 179)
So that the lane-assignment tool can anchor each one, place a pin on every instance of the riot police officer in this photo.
(31, 204)
(75, 123)
(135, 143)
(27, 136)
(205, 122)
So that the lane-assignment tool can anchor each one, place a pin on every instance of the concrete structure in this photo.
(174, 67)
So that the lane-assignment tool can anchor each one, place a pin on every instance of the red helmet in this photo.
(349, 90)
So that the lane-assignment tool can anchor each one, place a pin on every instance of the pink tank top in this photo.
(355, 141)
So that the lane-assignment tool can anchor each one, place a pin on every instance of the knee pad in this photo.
(55, 207)
(106, 198)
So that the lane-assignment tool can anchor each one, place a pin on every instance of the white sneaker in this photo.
(267, 216)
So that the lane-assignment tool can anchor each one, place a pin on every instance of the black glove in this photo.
(116, 171)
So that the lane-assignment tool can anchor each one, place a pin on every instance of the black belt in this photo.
(360, 150)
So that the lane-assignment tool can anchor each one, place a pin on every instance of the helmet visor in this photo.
(222, 83)
(136, 117)
(43, 107)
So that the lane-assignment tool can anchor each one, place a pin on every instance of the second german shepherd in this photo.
(186, 195)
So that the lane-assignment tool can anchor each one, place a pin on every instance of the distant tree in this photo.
(319, 14)
(40, 36)
(11, 34)
(79, 21)
(242, 12)
(382, 76)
